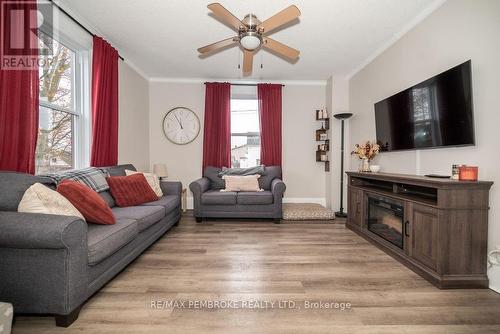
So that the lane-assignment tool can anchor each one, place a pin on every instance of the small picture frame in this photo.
(323, 136)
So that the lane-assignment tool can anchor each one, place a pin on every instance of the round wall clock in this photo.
(181, 126)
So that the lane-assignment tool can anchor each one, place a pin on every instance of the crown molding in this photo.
(397, 36)
(136, 69)
(96, 31)
(239, 81)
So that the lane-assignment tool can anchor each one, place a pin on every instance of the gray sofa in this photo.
(52, 264)
(210, 202)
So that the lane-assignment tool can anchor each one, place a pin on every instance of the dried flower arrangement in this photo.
(367, 151)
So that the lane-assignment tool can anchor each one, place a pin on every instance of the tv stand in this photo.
(442, 233)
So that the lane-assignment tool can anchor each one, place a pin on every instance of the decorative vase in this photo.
(366, 165)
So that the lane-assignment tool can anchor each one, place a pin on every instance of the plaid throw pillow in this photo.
(92, 177)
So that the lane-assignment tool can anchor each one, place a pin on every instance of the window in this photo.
(63, 121)
(245, 132)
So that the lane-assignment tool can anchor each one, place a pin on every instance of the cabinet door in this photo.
(355, 206)
(424, 235)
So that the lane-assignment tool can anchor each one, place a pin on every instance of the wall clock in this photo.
(181, 125)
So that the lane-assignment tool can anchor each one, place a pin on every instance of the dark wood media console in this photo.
(443, 230)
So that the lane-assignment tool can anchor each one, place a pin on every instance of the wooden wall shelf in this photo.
(322, 137)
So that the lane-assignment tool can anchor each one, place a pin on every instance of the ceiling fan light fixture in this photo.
(250, 41)
(252, 34)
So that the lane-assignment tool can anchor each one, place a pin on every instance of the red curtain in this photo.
(19, 88)
(217, 133)
(104, 104)
(269, 96)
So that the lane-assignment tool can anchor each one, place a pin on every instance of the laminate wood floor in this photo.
(247, 262)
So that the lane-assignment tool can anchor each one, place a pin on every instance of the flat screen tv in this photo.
(435, 113)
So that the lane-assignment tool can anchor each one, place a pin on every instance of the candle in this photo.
(468, 173)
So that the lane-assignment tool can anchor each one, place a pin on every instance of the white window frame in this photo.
(81, 131)
(245, 95)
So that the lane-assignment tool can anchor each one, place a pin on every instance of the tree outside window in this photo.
(54, 150)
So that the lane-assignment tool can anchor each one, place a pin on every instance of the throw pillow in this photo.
(40, 199)
(242, 183)
(130, 190)
(93, 177)
(153, 181)
(87, 201)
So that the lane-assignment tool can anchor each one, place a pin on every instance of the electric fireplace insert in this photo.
(386, 219)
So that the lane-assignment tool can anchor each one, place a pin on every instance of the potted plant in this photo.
(366, 152)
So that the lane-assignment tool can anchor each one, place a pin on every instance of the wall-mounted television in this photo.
(435, 113)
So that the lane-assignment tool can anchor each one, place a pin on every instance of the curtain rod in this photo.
(242, 84)
(79, 24)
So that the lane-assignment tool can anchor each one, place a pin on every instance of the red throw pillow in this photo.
(93, 208)
(131, 190)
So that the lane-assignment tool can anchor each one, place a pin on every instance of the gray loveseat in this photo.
(210, 202)
(52, 264)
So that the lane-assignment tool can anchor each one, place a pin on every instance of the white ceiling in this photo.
(160, 37)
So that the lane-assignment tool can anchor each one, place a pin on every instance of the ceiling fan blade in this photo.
(247, 62)
(218, 45)
(226, 15)
(279, 48)
(286, 15)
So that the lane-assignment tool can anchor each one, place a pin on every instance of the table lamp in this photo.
(160, 170)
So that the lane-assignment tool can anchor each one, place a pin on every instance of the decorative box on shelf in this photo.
(322, 136)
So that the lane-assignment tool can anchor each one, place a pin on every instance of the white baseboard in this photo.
(494, 288)
(317, 200)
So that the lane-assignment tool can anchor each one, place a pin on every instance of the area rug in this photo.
(307, 212)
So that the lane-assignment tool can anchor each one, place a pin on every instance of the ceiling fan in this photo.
(252, 34)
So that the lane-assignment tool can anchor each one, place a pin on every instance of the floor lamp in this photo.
(342, 117)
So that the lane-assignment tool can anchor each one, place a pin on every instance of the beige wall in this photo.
(305, 178)
(337, 101)
(133, 128)
(303, 175)
(457, 31)
(183, 161)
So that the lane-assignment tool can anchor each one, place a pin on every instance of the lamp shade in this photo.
(160, 170)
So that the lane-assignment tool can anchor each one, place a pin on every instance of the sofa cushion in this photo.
(144, 215)
(241, 182)
(130, 190)
(153, 181)
(169, 202)
(118, 170)
(87, 201)
(41, 199)
(14, 185)
(212, 173)
(216, 197)
(93, 177)
(106, 196)
(272, 172)
(262, 197)
(105, 240)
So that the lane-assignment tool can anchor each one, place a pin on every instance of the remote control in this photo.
(437, 176)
